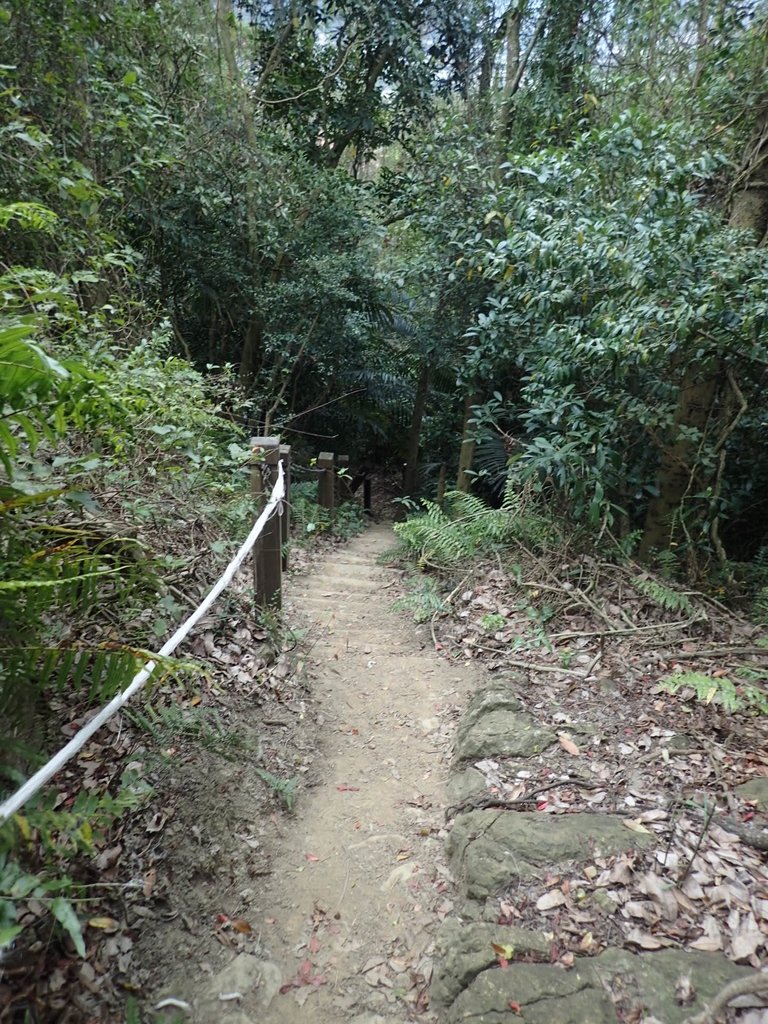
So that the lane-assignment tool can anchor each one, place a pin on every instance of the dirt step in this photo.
(351, 581)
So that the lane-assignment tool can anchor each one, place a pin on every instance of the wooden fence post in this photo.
(267, 558)
(342, 479)
(285, 519)
(326, 485)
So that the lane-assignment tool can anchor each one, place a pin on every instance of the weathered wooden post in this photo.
(285, 518)
(267, 558)
(326, 485)
(342, 478)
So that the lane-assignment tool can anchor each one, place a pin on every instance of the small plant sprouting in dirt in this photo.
(493, 623)
(285, 789)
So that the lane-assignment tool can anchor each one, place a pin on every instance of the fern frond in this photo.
(665, 597)
(169, 724)
(720, 690)
(423, 600)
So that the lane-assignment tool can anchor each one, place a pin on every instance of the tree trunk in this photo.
(701, 384)
(749, 201)
(678, 461)
(467, 451)
(411, 475)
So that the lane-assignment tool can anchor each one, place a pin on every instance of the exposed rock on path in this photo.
(485, 970)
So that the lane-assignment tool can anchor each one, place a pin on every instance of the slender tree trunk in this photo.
(701, 383)
(701, 42)
(749, 201)
(411, 475)
(467, 451)
(514, 18)
(678, 462)
(226, 35)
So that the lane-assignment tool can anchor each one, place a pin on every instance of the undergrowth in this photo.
(122, 494)
(746, 693)
(310, 520)
(464, 527)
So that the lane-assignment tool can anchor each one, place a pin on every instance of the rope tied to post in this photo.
(35, 783)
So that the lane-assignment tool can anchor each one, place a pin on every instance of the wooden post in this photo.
(326, 485)
(285, 518)
(342, 481)
(367, 496)
(267, 560)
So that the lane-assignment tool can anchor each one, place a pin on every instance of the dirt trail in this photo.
(358, 884)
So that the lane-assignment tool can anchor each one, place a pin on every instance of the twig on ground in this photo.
(541, 667)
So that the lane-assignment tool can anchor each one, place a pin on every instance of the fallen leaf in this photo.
(108, 857)
(515, 1007)
(710, 940)
(314, 944)
(105, 924)
(567, 744)
(644, 940)
(636, 826)
(661, 893)
(156, 823)
(550, 900)
(303, 977)
(504, 951)
(241, 926)
(747, 939)
(348, 789)
(311, 857)
(149, 882)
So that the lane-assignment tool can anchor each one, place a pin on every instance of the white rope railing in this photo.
(38, 780)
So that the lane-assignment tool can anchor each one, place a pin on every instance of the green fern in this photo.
(464, 526)
(29, 217)
(422, 600)
(168, 725)
(720, 690)
(665, 597)
(285, 789)
(307, 517)
(667, 563)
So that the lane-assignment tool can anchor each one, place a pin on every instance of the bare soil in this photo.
(327, 914)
